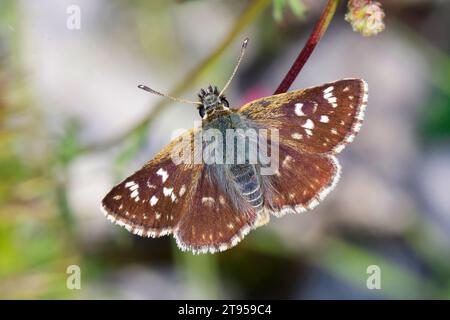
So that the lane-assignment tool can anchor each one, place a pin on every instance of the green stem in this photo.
(201, 274)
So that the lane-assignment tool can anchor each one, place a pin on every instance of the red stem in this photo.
(314, 38)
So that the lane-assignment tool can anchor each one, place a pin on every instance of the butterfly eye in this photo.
(201, 111)
(225, 102)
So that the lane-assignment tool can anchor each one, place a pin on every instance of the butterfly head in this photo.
(211, 100)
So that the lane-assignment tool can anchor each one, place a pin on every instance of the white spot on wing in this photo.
(298, 109)
(163, 173)
(182, 190)
(208, 200)
(286, 161)
(328, 95)
(134, 194)
(167, 191)
(129, 184)
(329, 89)
(309, 124)
(153, 200)
(324, 119)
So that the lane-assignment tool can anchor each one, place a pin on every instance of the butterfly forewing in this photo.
(164, 197)
(151, 202)
(322, 119)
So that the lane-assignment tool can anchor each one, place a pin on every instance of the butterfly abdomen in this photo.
(248, 184)
(242, 172)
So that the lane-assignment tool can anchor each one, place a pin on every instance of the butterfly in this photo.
(212, 207)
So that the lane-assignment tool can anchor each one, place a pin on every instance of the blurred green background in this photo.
(73, 123)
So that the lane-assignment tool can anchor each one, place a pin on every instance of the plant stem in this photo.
(314, 38)
(249, 14)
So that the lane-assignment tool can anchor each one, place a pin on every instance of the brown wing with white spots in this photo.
(322, 119)
(151, 201)
(302, 181)
(211, 223)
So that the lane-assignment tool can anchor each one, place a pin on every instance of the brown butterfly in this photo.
(210, 207)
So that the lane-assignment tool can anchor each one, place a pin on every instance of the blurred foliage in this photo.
(35, 249)
(350, 262)
(435, 124)
(281, 6)
(68, 147)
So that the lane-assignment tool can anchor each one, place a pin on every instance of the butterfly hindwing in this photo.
(321, 119)
(302, 181)
(211, 222)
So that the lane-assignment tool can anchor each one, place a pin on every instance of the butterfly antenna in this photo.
(167, 96)
(244, 46)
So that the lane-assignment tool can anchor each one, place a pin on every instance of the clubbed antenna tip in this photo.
(244, 46)
(148, 89)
